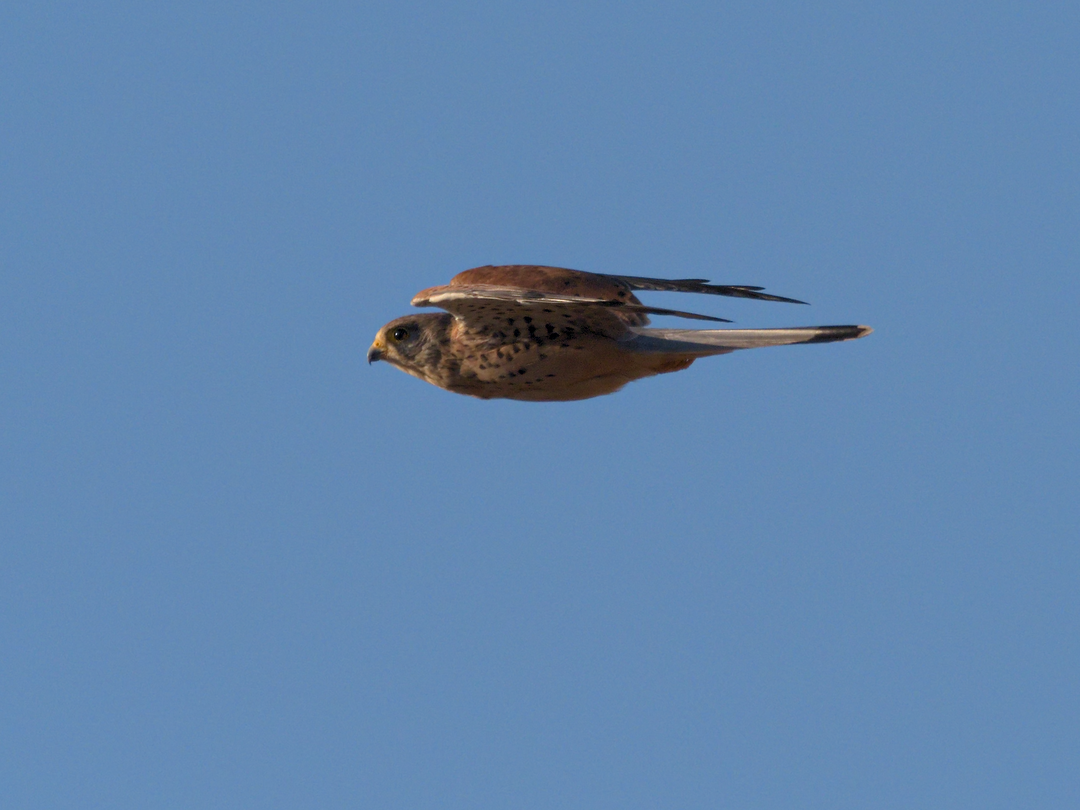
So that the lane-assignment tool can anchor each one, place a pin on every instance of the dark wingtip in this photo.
(744, 291)
(755, 293)
(701, 285)
(680, 314)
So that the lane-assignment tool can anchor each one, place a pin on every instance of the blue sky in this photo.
(240, 568)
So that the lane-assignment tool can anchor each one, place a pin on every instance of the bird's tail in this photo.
(703, 342)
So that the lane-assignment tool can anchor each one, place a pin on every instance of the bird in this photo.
(551, 334)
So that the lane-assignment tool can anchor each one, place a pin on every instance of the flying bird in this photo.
(549, 334)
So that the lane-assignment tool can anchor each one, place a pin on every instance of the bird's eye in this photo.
(401, 333)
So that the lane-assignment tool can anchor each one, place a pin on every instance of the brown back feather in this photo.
(548, 279)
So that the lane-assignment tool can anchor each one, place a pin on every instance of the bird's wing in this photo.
(701, 285)
(702, 342)
(600, 285)
(482, 306)
(559, 280)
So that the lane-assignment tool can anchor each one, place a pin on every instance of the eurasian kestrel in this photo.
(552, 334)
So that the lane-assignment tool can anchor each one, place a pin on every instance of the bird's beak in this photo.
(374, 353)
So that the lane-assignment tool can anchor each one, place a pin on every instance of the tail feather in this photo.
(721, 341)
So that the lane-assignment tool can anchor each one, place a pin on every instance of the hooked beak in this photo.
(373, 354)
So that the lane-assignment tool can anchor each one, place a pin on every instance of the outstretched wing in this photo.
(600, 285)
(489, 308)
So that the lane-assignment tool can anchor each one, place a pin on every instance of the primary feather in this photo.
(701, 285)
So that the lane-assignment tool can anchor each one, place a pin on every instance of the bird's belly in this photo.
(583, 369)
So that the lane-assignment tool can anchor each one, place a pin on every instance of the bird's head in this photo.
(413, 343)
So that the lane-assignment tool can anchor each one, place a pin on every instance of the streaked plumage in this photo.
(551, 334)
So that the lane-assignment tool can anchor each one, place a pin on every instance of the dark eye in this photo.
(401, 333)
